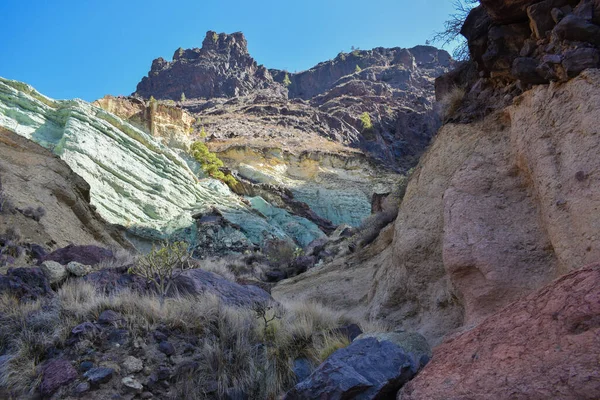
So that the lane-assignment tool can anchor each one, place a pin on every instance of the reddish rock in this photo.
(544, 346)
(55, 374)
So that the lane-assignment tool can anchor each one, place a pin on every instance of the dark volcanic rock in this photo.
(197, 282)
(55, 374)
(96, 376)
(87, 255)
(367, 369)
(221, 68)
(25, 283)
(114, 280)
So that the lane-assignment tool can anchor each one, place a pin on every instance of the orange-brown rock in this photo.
(544, 346)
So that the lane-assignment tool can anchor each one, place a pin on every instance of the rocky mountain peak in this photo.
(221, 68)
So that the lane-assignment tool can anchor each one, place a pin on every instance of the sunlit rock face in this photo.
(136, 181)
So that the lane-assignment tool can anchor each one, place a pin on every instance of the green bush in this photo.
(365, 119)
(357, 69)
(286, 81)
(211, 164)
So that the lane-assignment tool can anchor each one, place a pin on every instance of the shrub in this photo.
(366, 123)
(451, 102)
(357, 69)
(280, 252)
(211, 164)
(182, 98)
(215, 37)
(10, 246)
(286, 80)
(162, 266)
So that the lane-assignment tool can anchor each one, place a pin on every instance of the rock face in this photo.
(33, 177)
(495, 210)
(516, 44)
(221, 68)
(544, 346)
(160, 119)
(394, 86)
(138, 181)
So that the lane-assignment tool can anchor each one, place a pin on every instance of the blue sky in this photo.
(89, 48)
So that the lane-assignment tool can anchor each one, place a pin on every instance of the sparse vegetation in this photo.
(451, 102)
(211, 164)
(10, 247)
(34, 213)
(162, 266)
(286, 80)
(366, 123)
(280, 252)
(235, 347)
(357, 69)
(215, 37)
(182, 98)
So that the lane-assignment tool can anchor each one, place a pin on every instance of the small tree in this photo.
(182, 97)
(215, 37)
(453, 26)
(357, 69)
(211, 164)
(365, 120)
(286, 80)
(162, 266)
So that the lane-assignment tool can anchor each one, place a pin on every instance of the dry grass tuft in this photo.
(237, 349)
(451, 102)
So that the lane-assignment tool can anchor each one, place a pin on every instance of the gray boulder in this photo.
(374, 366)
(54, 271)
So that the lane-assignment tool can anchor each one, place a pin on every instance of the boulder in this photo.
(197, 282)
(525, 69)
(540, 16)
(25, 283)
(577, 60)
(543, 346)
(132, 365)
(132, 385)
(78, 269)
(115, 280)
(575, 28)
(54, 271)
(97, 376)
(55, 374)
(372, 367)
(87, 255)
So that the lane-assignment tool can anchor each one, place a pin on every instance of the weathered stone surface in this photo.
(78, 269)
(166, 348)
(197, 282)
(132, 365)
(368, 368)
(221, 68)
(32, 177)
(544, 346)
(25, 283)
(55, 374)
(540, 16)
(578, 60)
(112, 280)
(97, 376)
(87, 255)
(54, 271)
(577, 29)
(149, 187)
(525, 69)
(132, 385)
(492, 213)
